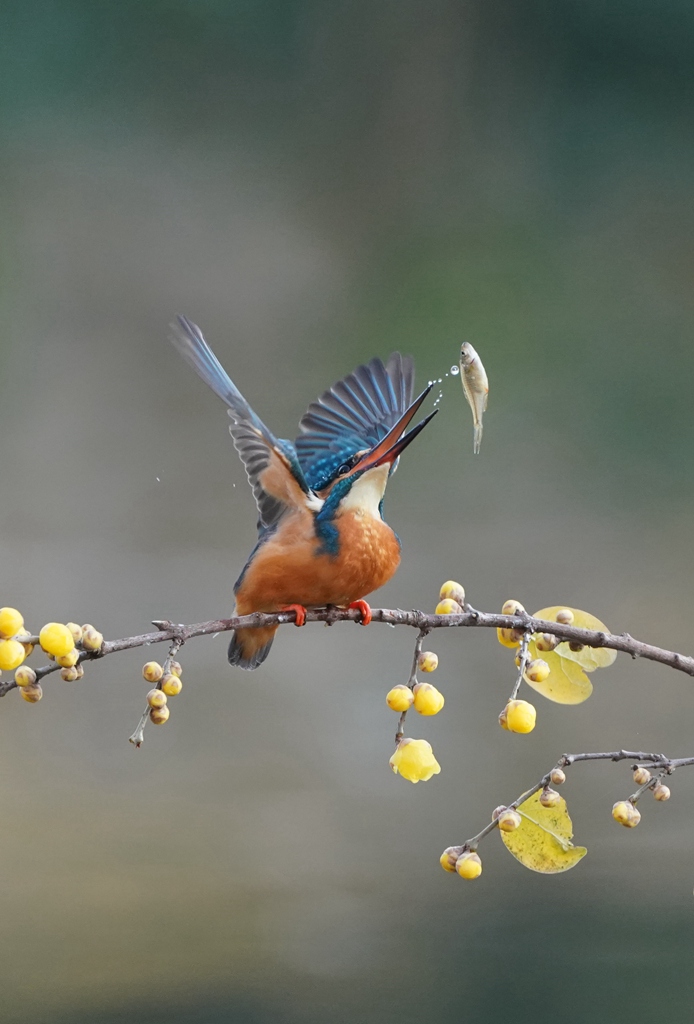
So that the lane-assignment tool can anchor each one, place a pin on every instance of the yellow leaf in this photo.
(589, 658)
(566, 683)
(542, 841)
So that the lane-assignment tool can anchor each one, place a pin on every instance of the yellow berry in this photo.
(641, 776)
(469, 865)
(152, 671)
(414, 760)
(453, 591)
(171, 685)
(25, 676)
(557, 776)
(11, 621)
(158, 716)
(509, 820)
(400, 698)
(565, 616)
(69, 674)
(156, 698)
(448, 607)
(549, 797)
(626, 814)
(520, 716)
(56, 639)
(12, 654)
(448, 858)
(92, 639)
(511, 637)
(508, 637)
(69, 659)
(76, 631)
(176, 669)
(428, 661)
(498, 810)
(661, 792)
(546, 641)
(537, 671)
(427, 699)
(32, 694)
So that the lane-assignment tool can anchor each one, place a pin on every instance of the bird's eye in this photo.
(344, 468)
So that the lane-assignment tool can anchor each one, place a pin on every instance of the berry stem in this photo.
(523, 656)
(411, 682)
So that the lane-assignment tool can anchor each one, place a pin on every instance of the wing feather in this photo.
(272, 466)
(354, 414)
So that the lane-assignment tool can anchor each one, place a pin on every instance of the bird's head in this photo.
(360, 481)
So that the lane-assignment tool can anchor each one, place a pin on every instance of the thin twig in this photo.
(667, 765)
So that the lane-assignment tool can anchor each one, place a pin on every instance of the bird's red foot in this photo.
(300, 612)
(365, 610)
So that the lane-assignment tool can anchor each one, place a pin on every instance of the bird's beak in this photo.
(388, 450)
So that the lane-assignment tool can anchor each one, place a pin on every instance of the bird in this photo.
(322, 539)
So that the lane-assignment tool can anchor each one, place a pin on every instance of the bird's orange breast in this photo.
(291, 568)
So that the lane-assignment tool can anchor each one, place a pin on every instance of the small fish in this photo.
(476, 388)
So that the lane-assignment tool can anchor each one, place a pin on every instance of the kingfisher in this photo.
(322, 539)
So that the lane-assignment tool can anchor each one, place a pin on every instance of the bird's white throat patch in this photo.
(367, 493)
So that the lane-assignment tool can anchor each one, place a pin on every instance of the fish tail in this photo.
(478, 439)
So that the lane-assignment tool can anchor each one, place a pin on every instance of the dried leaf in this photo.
(589, 658)
(542, 841)
(566, 683)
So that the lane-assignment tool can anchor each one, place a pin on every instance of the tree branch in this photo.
(394, 617)
(666, 766)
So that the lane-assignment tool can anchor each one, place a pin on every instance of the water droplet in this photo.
(439, 380)
(429, 383)
(455, 370)
(158, 480)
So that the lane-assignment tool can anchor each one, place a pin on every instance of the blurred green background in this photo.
(315, 184)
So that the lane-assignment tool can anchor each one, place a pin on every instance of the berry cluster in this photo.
(625, 812)
(519, 715)
(168, 680)
(466, 861)
(66, 644)
(414, 759)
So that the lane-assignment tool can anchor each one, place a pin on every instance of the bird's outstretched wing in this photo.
(352, 415)
(271, 464)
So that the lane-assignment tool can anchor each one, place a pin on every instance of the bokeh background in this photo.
(317, 183)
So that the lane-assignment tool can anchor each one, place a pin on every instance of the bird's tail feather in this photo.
(250, 647)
